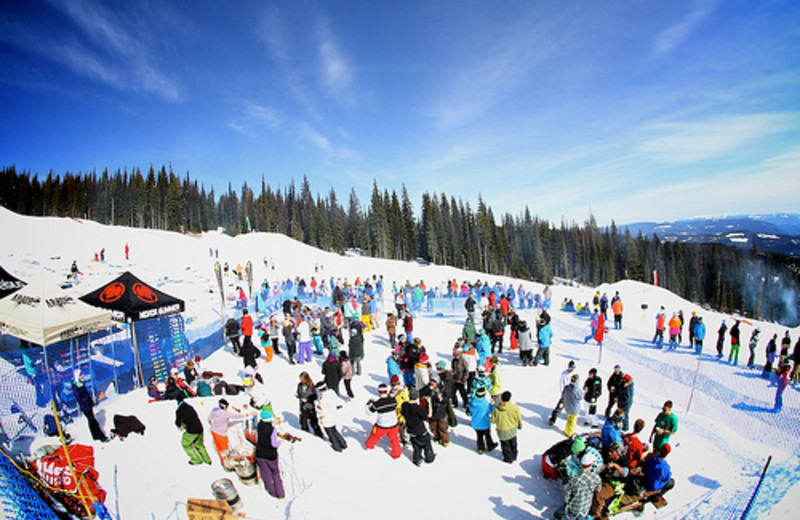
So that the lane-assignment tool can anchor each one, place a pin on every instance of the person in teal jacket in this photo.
(545, 339)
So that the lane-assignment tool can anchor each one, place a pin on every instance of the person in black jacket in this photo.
(332, 373)
(438, 411)
(232, 333)
(356, 345)
(592, 388)
(613, 384)
(86, 404)
(192, 440)
(415, 416)
(267, 455)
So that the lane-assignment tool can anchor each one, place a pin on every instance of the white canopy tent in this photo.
(43, 313)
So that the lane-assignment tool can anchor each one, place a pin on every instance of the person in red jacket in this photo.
(247, 329)
(408, 326)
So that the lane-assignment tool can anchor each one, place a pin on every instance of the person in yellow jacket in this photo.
(400, 393)
(508, 420)
(494, 377)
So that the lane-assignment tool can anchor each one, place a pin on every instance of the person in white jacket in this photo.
(304, 342)
(328, 405)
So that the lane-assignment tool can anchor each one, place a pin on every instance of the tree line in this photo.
(446, 231)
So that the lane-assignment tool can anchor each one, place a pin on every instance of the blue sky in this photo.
(629, 110)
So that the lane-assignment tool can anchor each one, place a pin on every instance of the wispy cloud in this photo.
(311, 135)
(496, 68)
(674, 35)
(700, 140)
(336, 69)
(273, 31)
(107, 48)
(263, 115)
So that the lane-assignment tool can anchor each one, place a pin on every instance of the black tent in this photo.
(130, 299)
(9, 283)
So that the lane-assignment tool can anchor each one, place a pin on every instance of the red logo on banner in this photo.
(144, 293)
(112, 292)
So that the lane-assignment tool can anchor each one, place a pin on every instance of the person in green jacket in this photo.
(666, 424)
(469, 332)
(508, 420)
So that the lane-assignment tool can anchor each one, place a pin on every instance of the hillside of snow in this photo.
(725, 435)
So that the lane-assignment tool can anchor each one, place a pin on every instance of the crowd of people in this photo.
(604, 469)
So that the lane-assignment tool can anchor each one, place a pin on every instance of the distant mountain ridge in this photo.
(774, 232)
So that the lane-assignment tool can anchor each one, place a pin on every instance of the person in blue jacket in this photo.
(699, 335)
(657, 473)
(393, 367)
(545, 339)
(611, 431)
(481, 411)
(483, 345)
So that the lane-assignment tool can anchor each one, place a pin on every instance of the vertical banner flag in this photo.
(249, 272)
(218, 272)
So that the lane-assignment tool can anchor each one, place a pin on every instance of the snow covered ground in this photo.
(724, 438)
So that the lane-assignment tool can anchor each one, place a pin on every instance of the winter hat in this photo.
(223, 403)
(423, 358)
(571, 365)
(394, 380)
(266, 415)
(665, 450)
(383, 389)
(506, 396)
(588, 460)
(441, 365)
(575, 377)
(578, 445)
(481, 392)
(413, 394)
(627, 378)
(494, 360)
(617, 367)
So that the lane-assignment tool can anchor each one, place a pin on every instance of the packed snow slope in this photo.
(725, 433)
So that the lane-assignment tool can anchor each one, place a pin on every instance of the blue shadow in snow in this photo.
(699, 480)
(752, 408)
